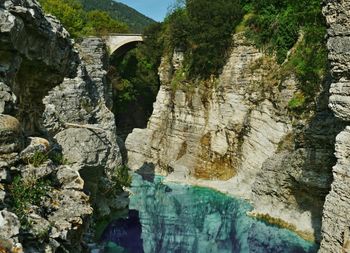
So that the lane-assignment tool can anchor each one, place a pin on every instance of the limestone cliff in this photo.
(336, 216)
(58, 143)
(239, 133)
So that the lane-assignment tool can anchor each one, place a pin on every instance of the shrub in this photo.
(38, 158)
(122, 178)
(277, 26)
(25, 193)
(297, 102)
(57, 158)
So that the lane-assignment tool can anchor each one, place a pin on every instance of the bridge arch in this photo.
(121, 43)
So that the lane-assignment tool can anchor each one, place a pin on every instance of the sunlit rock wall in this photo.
(238, 133)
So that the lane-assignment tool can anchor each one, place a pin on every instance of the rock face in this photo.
(336, 216)
(238, 132)
(77, 113)
(58, 137)
(213, 131)
(30, 42)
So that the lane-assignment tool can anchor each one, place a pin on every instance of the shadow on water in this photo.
(125, 233)
(166, 217)
(147, 172)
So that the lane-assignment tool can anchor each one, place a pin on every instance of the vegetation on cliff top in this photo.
(293, 31)
(202, 29)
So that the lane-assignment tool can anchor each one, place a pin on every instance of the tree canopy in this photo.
(80, 23)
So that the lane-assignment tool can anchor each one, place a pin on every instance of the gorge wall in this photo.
(336, 216)
(237, 134)
(58, 143)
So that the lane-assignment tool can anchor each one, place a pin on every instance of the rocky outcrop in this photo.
(336, 216)
(77, 114)
(213, 130)
(30, 42)
(58, 143)
(239, 133)
(36, 54)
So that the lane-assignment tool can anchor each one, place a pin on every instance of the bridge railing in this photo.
(124, 34)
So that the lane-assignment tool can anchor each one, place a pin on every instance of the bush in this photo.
(122, 178)
(277, 26)
(38, 158)
(25, 193)
(297, 102)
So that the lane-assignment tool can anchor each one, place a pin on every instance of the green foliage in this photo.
(297, 102)
(122, 178)
(309, 61)
(297, 27)
(179, 78)
(25, 193)
(135, 75)
(203, 30)
(38, 158)
(80, 23)
(276, 24)
(135, 20)
(100, 23)
(57, 158)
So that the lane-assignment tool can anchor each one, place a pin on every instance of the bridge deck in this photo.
(123, 34)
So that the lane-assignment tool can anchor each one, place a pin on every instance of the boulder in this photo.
(10, 134)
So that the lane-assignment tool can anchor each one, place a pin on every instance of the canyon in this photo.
(235, 133)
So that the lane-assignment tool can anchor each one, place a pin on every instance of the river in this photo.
(177, 218)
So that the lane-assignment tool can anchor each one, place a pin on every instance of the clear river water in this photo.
(177, 218)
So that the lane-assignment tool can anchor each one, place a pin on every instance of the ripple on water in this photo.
(179, 218)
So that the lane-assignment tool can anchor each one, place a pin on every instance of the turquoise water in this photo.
(180, 218)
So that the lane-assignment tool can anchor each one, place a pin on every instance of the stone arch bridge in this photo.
(118, 43)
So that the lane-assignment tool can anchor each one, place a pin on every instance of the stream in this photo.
(177, 218)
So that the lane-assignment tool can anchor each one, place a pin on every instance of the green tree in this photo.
(80, 23)
(203, 30)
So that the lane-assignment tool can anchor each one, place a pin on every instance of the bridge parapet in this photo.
(116, 41)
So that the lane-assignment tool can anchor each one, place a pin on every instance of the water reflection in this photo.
(179, 219)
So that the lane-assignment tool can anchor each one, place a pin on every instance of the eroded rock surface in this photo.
(31, 41)
(336, 216)
(57, 134)
(236, 134)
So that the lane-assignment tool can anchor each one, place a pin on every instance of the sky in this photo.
(155, 9)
